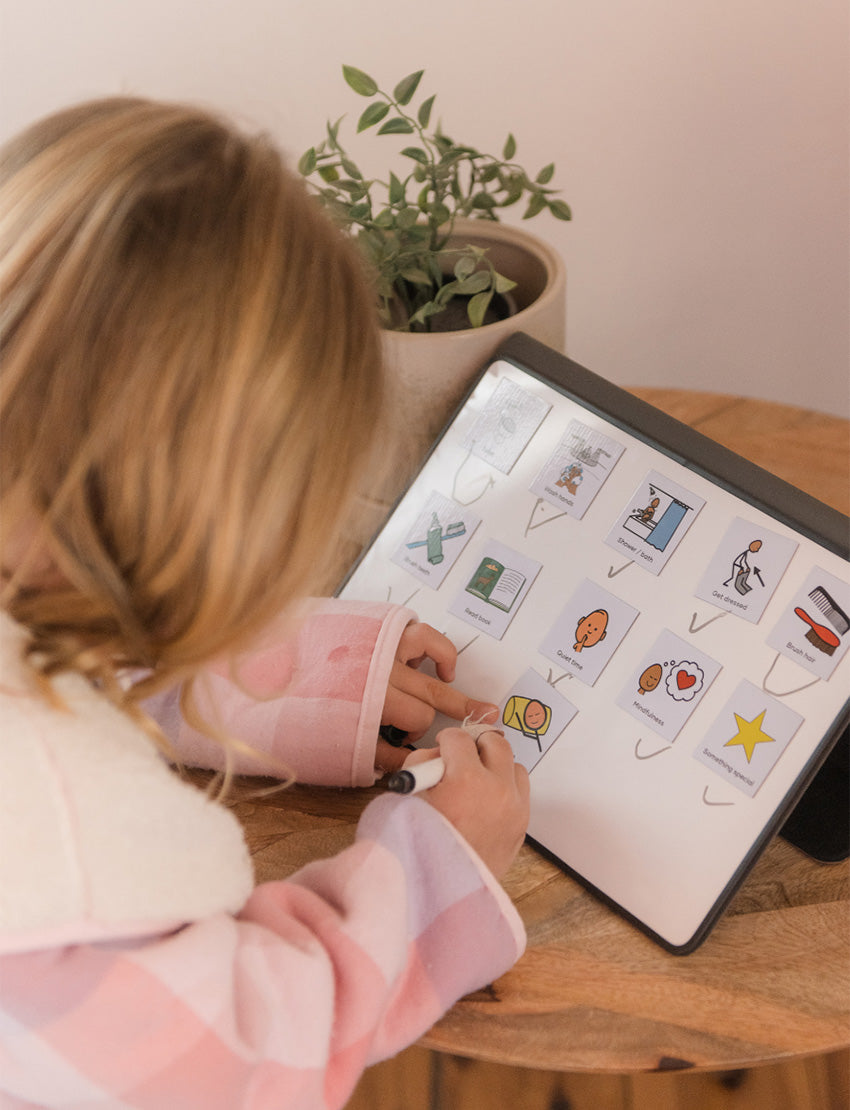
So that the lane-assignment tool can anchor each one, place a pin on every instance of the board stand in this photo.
(820, 822)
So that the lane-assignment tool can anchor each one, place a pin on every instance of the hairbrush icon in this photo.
(825, 639)
(831, 610)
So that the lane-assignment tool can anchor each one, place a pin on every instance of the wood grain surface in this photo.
(592, 994)
(418, 1079)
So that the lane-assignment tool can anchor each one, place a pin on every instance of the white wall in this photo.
(702, 145)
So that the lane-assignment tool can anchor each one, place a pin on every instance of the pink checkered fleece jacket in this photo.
(140, 966)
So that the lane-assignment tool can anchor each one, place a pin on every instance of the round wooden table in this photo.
(591, 992)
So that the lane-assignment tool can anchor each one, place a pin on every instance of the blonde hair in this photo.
(190, 386)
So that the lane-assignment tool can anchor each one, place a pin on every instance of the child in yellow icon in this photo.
(528, 716)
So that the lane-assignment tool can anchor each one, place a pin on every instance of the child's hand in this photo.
(414, 697)
(483, 792)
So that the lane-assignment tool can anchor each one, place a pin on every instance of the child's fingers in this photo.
(420, 641)
(523, 784)
(484, 794)
(495, 752)
(413, 698)
(491, 751)
(388, 757)
(421, 755)
(496, 755)
(459, 750)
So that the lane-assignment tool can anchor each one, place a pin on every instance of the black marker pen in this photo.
(421, 776)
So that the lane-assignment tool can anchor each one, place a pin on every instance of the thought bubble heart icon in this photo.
(684, 680)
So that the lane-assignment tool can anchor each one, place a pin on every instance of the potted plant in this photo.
(452, 281)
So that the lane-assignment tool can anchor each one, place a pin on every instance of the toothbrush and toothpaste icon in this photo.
(436, 536)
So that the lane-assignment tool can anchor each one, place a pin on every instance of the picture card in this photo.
(533, 715)
(576, 471)
(668, 685)
(814, 630)
(509, 420)
(494, 593)
(588, 631)
(745, 569)
(654, 521)
(438, 536)
(745, 742)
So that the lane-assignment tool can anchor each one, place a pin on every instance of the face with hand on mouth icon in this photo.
(591, 629)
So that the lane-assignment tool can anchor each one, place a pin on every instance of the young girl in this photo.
(190, 386)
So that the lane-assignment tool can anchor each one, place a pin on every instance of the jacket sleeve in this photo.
(342, 965)
(322, 674)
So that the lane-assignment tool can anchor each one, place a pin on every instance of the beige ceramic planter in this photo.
(434, 370)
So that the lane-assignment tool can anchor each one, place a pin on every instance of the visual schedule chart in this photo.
(665, 628)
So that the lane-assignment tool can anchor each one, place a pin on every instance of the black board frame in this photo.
(815, 813)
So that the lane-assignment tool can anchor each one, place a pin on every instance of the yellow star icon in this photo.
(749, 734)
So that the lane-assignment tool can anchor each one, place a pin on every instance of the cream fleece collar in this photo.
(98, 837)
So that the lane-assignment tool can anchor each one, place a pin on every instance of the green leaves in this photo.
(477, 282)
(438, 213)
(424, 113)
(403, 93)
(560, 209)
(373, 114)
(416, 276)
(406, 218)
(404, 90)
(535, 206)
(484, 200)
(396, 190)
(397, 127)
(307, 162)
(361, 82)
(477, 308)
(407, 240)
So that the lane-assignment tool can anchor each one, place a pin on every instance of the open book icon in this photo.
(496, 584)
